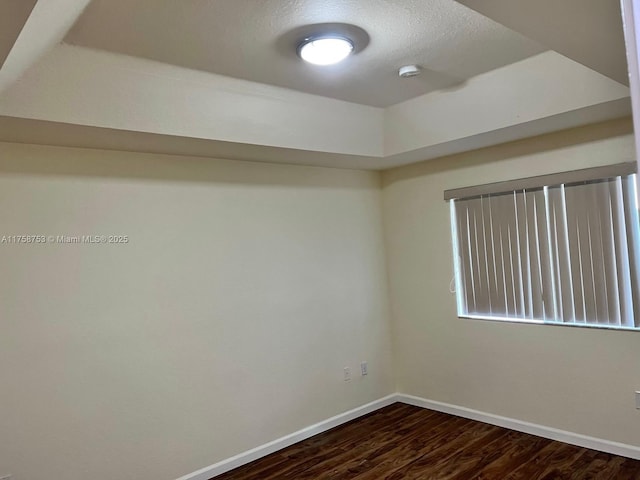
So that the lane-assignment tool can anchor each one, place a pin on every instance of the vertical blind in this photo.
(564, 253)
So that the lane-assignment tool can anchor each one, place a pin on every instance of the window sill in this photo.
(543, 322)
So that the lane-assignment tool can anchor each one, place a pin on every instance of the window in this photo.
(560, 249)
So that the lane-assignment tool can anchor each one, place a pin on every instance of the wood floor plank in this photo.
(508, 459)
(375, 441)
(439, 460)
(628, 470)
(383, 462)
(304, 455)
(553, 455)
(402, 442)
(362, 458)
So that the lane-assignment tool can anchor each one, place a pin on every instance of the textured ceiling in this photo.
(255, 40)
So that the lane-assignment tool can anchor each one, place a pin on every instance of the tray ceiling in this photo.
(256, 40)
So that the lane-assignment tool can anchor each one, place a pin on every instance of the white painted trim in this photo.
(268, 448)
(586, 441)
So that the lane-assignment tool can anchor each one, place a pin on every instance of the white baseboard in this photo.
(268, 448)
(607, 446)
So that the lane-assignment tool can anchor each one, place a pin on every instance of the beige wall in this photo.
(223, 324)
(244, 290)
(576, 379)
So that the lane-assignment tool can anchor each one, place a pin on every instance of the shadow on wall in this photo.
(518, 148)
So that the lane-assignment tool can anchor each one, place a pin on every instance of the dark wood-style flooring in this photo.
(405, 442)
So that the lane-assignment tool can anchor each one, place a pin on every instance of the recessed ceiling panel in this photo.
(256, 40)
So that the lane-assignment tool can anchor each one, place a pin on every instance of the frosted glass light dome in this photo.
(326, 50)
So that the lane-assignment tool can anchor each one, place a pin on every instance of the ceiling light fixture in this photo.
(325, 49)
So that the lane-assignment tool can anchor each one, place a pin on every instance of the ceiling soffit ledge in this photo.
(109, 100)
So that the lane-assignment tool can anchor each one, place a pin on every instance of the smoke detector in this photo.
(409, 71)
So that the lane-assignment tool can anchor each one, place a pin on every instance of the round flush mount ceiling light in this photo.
(325, 49)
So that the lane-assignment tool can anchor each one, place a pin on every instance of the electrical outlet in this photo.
(364, 369)
(347, 375)
(637, 401)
